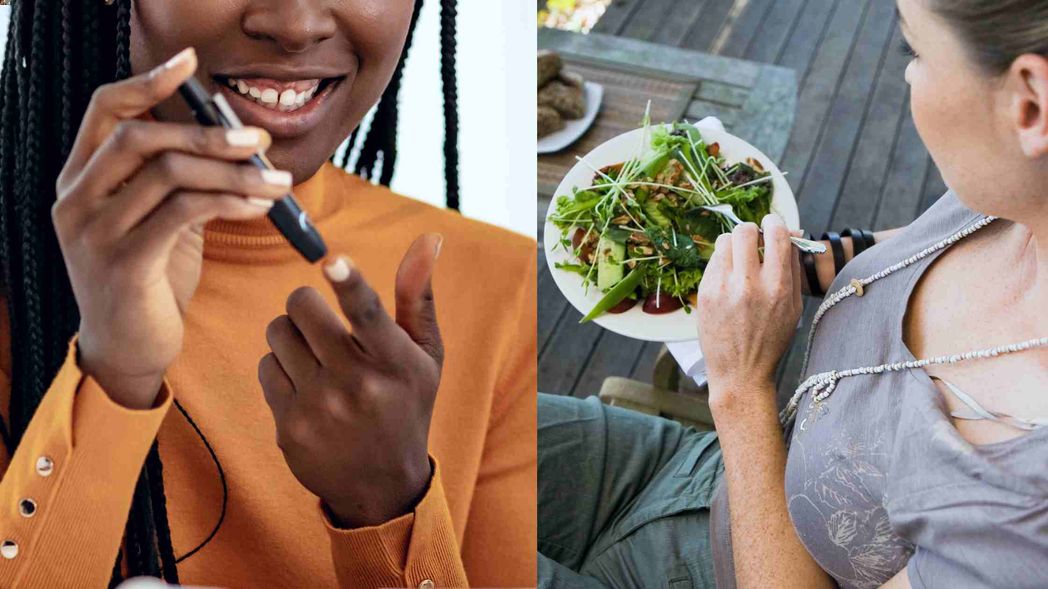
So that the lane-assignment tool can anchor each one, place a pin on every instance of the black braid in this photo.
(379, 144)
(68, 50)
(449, 79)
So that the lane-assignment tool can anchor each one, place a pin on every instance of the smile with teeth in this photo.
(287, 97)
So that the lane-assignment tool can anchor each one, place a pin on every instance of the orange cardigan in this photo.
(477, 521)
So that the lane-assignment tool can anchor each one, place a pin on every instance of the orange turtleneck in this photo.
(477, 520)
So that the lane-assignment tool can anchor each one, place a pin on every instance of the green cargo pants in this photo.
(623, 498)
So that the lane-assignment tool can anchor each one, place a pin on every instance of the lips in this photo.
(285, 107)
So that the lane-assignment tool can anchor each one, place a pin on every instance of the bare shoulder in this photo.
(974, 296)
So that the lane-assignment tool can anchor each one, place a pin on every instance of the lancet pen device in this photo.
(286, 214)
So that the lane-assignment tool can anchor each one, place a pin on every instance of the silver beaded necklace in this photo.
(823, 384)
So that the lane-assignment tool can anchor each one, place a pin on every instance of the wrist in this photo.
(130, 391)
(383, 505)
(737, 397)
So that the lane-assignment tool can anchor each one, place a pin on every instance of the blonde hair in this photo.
(996, 32)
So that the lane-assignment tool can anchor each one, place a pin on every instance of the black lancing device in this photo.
(286, 214)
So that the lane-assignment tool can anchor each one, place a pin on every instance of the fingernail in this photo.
(180, 58)
(440, 244)
(244, 137)
(338, 271)
(260, 202)
(277, 177)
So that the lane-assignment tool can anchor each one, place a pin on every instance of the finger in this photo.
(373, 328)
(134, 142)
(721, 262)
(277, 387)
(126, 99)
(416, 311)
(778, 250)
(321, 327)
(745, 258)
(179, 171)
(156, 235)
(292, 350)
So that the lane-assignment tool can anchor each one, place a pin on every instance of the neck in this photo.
(1033, 263)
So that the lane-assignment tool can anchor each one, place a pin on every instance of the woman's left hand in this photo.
(353, 407)
(748, 310)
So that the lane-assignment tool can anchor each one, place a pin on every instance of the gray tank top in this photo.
(877, 476)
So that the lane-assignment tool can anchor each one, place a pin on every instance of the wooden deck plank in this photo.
(820, 88)
(708, 26)
(551, 304)
(775, 31)
(614, 355)
(767, 115)
(645, 365)
(857, 203)
(674, 30)
(807, 33)
(567, 353)
(740, 28)
(649, 17)
(904, 187)
(616, 16)
(821, 185)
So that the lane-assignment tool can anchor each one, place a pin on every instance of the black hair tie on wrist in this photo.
(838, 250)
(870, 239)
(808, 260)
(858, 240)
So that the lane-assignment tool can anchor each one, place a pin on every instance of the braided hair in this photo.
(377, 155)
(58, 52)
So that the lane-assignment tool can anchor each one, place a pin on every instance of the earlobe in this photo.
(1029, 84)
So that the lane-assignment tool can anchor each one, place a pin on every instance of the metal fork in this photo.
(805, 245)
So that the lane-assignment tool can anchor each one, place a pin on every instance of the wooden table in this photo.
(754, 101)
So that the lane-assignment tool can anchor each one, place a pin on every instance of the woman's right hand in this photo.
(133, 198)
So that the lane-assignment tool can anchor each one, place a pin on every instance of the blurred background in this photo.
(497, 126)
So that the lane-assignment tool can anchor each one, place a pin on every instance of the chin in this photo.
(285, 155)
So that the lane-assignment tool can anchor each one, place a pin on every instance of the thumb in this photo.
(416, 312)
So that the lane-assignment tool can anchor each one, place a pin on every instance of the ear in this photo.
(1028, 83)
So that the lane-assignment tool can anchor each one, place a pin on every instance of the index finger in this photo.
(128, 99)
(373, 328)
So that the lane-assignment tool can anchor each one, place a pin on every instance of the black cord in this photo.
(221, 476)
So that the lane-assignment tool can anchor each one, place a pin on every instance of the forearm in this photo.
(78, 462)
(765, 544)
(824, 266)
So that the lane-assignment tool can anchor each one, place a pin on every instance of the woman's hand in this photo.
(353, 408)
(132, 201)
(748, 310)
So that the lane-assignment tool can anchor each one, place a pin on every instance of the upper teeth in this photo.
(285, 101)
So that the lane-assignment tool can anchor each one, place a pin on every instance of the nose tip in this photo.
(295, 26)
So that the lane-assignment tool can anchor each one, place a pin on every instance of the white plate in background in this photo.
(573, 129)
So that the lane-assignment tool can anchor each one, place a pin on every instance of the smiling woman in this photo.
(333, 428)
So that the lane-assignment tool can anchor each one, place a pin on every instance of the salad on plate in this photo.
(643, 233)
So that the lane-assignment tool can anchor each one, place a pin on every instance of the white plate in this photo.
(635, 323)
(573, 129)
